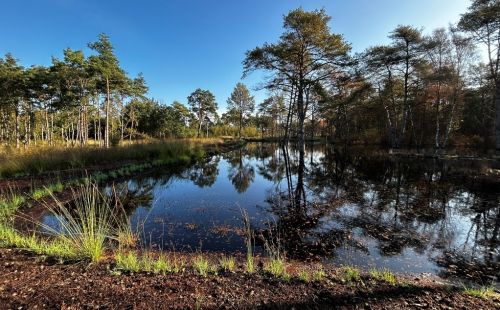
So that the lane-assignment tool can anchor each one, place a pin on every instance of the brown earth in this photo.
(29, 282)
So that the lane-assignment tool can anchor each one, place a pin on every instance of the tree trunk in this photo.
(497, 119)
(106, 130)
(17, 128)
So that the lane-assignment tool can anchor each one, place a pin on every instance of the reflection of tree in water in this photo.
(298, 221)
(320, 203)
(133, 194)
(241, 173)
(204, 173)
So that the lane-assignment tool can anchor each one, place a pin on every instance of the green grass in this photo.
(482, 292)
(128, 261)
(38, 160)
(249, 241)
(40, 193)
(162, 265)
(9, 237)
(383, 275)
(319, 275)
(350, 274)
(201, 265)
(304, 276)
(250, 264)
(88, 226)
(8, 206)
(227, 263)
(276, 267)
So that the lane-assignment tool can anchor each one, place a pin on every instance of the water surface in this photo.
(356, 207)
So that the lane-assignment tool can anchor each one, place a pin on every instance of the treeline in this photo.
(420, 90)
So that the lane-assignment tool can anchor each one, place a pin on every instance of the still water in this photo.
(355, 207)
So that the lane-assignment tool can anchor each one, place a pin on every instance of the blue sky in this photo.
(180, 45)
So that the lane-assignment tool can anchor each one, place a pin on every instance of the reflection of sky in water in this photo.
(185, 216)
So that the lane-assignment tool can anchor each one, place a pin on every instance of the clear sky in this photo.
(180, 45)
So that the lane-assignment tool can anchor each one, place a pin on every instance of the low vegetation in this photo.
(43, 159)
(227, 264)
(481, 292)
(383, 275)
(350, 274)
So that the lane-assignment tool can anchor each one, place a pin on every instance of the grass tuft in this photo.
(482, 292)
(88, 225)
(162, 265)
(350, 274)
(201, 265)
(383, 275)
(128, 261)
(276, 267)
(228, 264)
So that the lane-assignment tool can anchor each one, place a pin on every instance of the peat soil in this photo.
(29, 282)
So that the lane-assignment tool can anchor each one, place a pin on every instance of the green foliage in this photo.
(319, 275)
(9, 237)
(304, 276)
(128, 261)
(88, 226)
(201, 265)
(203, 106)
(350, 274)
(383, 275)
(163, 265)
(276, 267)
(482, 292)
(228, 264)
(40, 193)
(240, 105)
(9, 205)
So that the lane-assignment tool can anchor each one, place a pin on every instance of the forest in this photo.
(432, 90)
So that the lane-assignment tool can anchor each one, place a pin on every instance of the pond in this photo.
(355, 206)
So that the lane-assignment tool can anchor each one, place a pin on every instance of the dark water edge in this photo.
(356, 206)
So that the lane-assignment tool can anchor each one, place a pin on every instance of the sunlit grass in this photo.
(88, 225)
(40, 193)
(350, 274)
(227, 263)
(482, 292)
(304, 276)
(201, 265)
(162, 265)
(276, 267)
(383, 275)
(319, 275)
(127, 261)
(249, 241)
(9, 237)
(36, 160)
(9, 205)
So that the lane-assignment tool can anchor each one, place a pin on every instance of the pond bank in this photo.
(29, 282)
